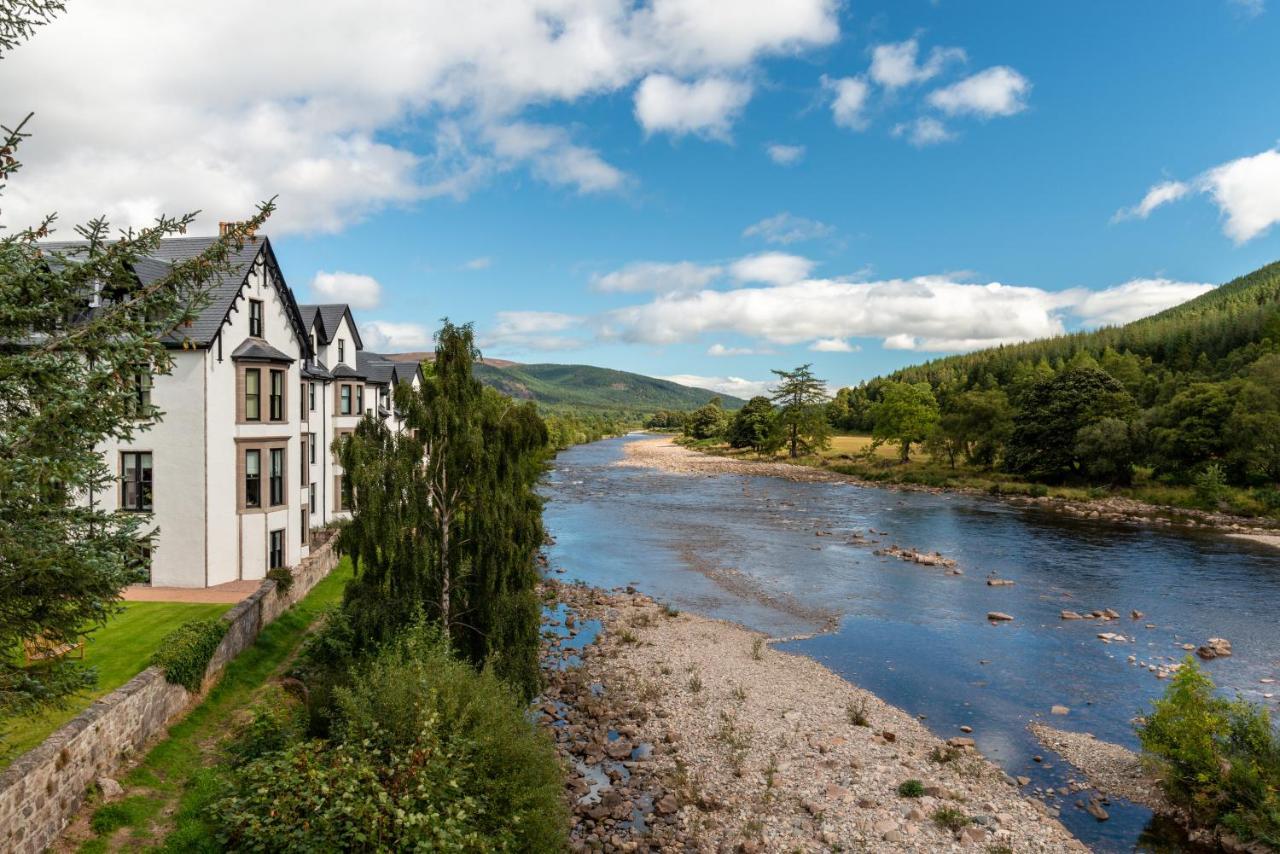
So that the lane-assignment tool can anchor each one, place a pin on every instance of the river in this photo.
(748, 549)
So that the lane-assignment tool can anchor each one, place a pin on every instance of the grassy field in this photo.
(847, 455)
(166, 795)
(119, 650)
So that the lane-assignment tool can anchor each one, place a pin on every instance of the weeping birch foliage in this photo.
(445, 520)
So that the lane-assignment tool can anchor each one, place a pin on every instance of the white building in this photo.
(239, 469)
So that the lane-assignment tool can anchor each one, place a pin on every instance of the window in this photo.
(277, 477)
(341, 499)
(311, 396)
(302, 401)
(135, 481)
(342, 350)
(140, 564)
(275, 551)
(311, 446)
(312, 498)
(252, 394)
(384, 397)
(359, 400)
(304, 456)
(253, 478)
(344, 405)
(277, 395)
(140, 406)
(305, 529)
(255, 318)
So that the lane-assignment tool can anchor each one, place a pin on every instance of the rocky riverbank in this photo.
(662, 453)
(686, 733)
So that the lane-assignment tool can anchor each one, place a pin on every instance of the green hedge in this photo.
(185, 652)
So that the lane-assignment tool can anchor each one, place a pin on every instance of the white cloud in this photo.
(706, 107)
(997, 91)
(775, 268)
(355, 289)
(924, 131)
(924, 313)
(1161, 194)
(833, 345)
(786, 228)
(895, 65)
(720, 350)
(1250, 8)
(1246, 191)
(533, 330)
(482, 263)
(848, 100)
(1134, 299)
(347, 114)
(657, 276)
(735, 386)
(785, 155)
(383, 336)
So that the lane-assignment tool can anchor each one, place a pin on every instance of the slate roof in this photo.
(346, 372)
(224, 291)
(325, 318)
(375, 367)
(312, 371)
(259, 350)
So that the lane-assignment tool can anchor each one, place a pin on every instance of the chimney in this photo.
(225, 228)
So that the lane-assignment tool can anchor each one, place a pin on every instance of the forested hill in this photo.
(584, 388)
(1189, 395)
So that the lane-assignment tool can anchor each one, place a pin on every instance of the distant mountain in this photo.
(584, 388)
(428, 355)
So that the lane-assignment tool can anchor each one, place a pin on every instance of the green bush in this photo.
(425, 754)
(911, 789)
(283, 577)
(277, 722)
(185, 652)
(1211, 485)
(1220, 757)
(950, 818)
(1038, 490)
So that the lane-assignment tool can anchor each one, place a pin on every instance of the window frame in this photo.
(276, 479)
(305, 468)
(257, 501)
(276, 411)
(143, 486)
(276, 555)
(311, 396)
(257, 319)
(342, 351)
(306, 527)
(346, 398)
(256, 395)
(143, 386)
(360, 400)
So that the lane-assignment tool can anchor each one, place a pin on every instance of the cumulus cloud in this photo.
(384, 336)
(833, 345)
(1246, 191)
(355, 289)
(735, 386)
(924, 313)
(896, 65)
(657, 276)
(786, 228)
(720, 350)
(705, 107)
(533, 330)
(848, 100)
(482, 263)
(924, 131)
(785, 155)
(349, 114)
(777, 268)
(997, 91)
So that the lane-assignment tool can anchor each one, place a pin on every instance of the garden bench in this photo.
(39, 649)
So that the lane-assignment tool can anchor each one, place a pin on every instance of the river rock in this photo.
(1094, 808)
(1215, 648)
(110, 788)
(1060, 710)
(999, 582)
(1136, 614)
(667, 804)
(1071, 615)
(998, 616)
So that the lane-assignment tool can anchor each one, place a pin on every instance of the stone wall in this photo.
(42, 790)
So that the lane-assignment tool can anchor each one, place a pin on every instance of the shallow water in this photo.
(746, 548)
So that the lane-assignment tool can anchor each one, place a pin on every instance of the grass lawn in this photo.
(167, 794)
(120, 650)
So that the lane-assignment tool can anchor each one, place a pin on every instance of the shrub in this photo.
(1211, 485)
(950, 818)
(277, 722)
(944, 753)
(427, 754)
(283, 577)
(185, 652)
(911, 789)
(1038, 490)
(858, 713)
(1220, 757)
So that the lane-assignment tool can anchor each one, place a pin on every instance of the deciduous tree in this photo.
(906, 413)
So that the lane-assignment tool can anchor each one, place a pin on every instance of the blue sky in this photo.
(593, 181)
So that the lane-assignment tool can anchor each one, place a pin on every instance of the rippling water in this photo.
(747, 549)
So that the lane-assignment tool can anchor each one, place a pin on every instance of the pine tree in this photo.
(802, 399)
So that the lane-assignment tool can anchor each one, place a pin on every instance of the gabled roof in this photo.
(346, 372)
(375, 367)
(325, 318)
(312, 371)
(224, 290)
(257, 350)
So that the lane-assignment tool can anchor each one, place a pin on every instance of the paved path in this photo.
(231, 592)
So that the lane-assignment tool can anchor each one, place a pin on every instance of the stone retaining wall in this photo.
(42, 790)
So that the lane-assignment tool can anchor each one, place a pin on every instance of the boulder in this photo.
(1215, 648)
(998, 616)
(1071, 615)
(1060, 710)
(110, 788)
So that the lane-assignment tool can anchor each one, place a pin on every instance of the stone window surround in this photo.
(357, 394)
(265, 445)
(264, 392)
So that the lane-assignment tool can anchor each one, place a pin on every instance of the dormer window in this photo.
(342, 351)
(255, 318)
